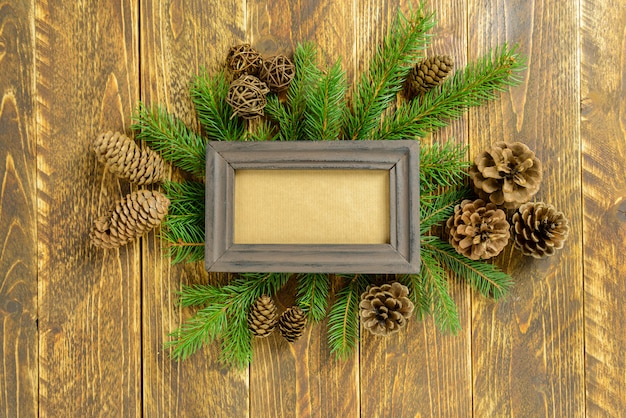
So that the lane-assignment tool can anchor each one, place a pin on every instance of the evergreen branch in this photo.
(263, 132)
(169, 136)
(186, 197)
(343, 318)
(312, 294)
(478, 83)
(216, 116)
(444, 309)
(486, 278)
(237, 341)
(277, 112)
(420, 293)
(326, 105)
(378, 87)
(442, 165)
(440, 209)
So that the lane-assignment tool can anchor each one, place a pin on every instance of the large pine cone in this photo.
(427, 74)
(246, 96)
(124, 158)
(539, 229)
(262, 317)
(291, 323)
(277, 72)
(478, 230)
(243, 59)
(131, 217)
(508, 174)
(386, 309)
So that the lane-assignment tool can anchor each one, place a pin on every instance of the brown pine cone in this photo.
(277, 72)
(131, 217)
(262, 317)
(246, 96)
(478, 230)
(243, 59)
(427, 74)
(385, 309)
(124, 158)
(508, 174)
(291, 323)
(539, 229)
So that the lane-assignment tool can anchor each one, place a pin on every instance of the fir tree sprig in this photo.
(433, 213)
(312, 295)
(377, 88)
(343, 318)
(442, 165)
(477, 83)
(170, 137)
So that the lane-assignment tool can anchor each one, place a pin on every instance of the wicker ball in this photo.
(246, 95)
(243, 59)
(277, 72)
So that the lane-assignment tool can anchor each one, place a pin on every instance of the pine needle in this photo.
(444, 309)
(442, 165)
(440, 208)
(312, 295)
(343, 318)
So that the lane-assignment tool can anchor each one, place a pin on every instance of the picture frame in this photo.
(400, 255)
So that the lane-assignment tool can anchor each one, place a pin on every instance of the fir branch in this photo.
(486, 278)
(478, 83)
(378, 87)
(312, 294)
(440, 208)
(169, 136)
(343, 318)
(275, 110)
(216, 116)
(420, 293)
(442, 165)
(262, 132)
(237, 341)
(444, 309)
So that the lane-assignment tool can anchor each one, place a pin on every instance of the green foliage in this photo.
(343, 318)
(436, 284)
(170, 137)
(377, 88)
(442, 165)
(437, 211)
(312, 295)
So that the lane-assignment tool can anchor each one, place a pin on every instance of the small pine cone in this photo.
(131, 217)
(478, 230)
(385, 309)
(427, 74)
(277, 72)
(124, 158)
(246, 96)
(262, 317)
(243, 59)
(508, 174)
(539, 229)
(291, 323)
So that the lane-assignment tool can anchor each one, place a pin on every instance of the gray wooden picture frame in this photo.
(401, 255)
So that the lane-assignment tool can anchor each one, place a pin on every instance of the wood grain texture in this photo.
(527, 350)
(603, 132)
(178, 37)
(18, 214)
(422, 372)
(87, 70)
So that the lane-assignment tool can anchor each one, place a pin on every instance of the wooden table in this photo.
(81, 329)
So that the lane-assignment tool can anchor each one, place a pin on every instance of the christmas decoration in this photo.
(124, 158)
(539, 229)
(262, 317)
(243, 59)
(507, 174)
(292, 323)
(277, 72)
(246, 95)
(131, 218)
(478, 230)
(385, 309)
(427, 74)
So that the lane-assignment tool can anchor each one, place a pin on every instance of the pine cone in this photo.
(539, 229)
(478, 230)
(246, 95)
(124, 158)
(427, 74)
(131, 217)
(277, 72)
(385, 309)
(243, 59)
(508, 174)
(262, 317)
(291, 323)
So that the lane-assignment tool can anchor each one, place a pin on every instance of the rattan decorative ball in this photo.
(478, 230)
(246, 95)
(243, 59)
(384, 310)
(277, 72)
(539, 229)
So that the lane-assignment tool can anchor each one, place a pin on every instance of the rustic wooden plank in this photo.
(178, 37)
(527, 350)
(87, 68)
(304, 378)
(420, 371)
(603, 132)
(18, 214)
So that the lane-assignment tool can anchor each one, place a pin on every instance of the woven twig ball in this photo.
(277, 72)
(246, 96)
(243, 59)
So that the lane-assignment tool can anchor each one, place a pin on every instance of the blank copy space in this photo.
(311, 207)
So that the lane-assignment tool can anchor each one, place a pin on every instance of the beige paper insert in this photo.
(311, 207)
